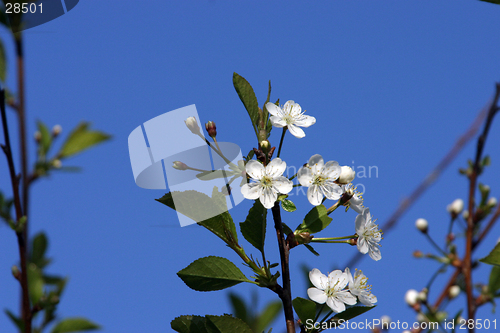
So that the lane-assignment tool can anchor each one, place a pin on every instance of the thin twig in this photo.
(21, 237)
(286, 294)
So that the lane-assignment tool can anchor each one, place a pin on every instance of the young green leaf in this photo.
(229, 324)
(494, 257)
(247, 96)
(35, 283)
(254, 227)
(75, 324)
(315, 221)
(349, 313)
(16, 320)
(197, 205)
(494, 282)
(305, 309)
(492, 1)
(310, 248)
(267, 316)
(38, 248)
(211, 273)
(288, 205)
(239, 307)
(45, 139)
(80, 139)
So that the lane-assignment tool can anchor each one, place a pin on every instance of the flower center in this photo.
(319, 180)
(288, 119)
(266, 181)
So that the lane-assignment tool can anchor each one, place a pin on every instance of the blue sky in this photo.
(392, 85)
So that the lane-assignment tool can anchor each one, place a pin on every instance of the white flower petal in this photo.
(367, 299)
(305, 176)
(290, 106)
(338, 279)
(346, 297)
(273, 109)
(277, 121)
(268, 198)
(335, 304)
(255, 169)
(332, 170)
(282, 185)
(332, 191)
(362, 245)
(305, 121)
(296, 131)
(314, 195)
(316, 163)
(374, 253)
(318, 279)
(317, 295)
(251, 191)
(360, 224)
(276, 168)
(349, 276)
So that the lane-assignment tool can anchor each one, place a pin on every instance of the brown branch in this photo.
(488, 227)
(285, 293)
(467, 262)
(407, 202)
(21, 238)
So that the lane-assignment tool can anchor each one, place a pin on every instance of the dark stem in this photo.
(281, 141)
(21, 236)
(467, 262)
(286, 292)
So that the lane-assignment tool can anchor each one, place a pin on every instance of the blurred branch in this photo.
(407, 202)
(471, 220)
(20, 233)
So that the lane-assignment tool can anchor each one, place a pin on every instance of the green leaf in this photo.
(16, 320)
(247, 96)
(3, 63)
(494, 257)
(229, 324)
(350, 313)
(269, 125)
(494, 283)
(315, 221)
(192, 324)
(197, 205)
(38, 248)
(35, 283)
(239, 307)
(80, 139)
(267, 316)
(75, 324)
(46, 139)
(305, 309)
(209, 324)
(310, 248)
(288, 205)
(254, 227)
(211, 273)
(286, 229)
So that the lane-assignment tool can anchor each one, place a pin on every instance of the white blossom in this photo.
(455, 207)
(320, 179)
(268, 182)
(330, 289)
(356, 201)
(290, 115)
(346, 175)
(422, 224)
(359, 287)
(411, 297)
(454, 291)
(369, 235)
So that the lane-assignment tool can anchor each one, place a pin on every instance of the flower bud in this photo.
(455, 207)
(422, 295)
(265, 146)
(418, 254)
(57, 163)
(411, 297)
(56, 130)
(38, 136)
(16, 272)
(492, 202)
(346, 175)
(422, 225)
(211, 129)
(385, 321)
(465, 214)
(192, 125)
(454, 291)
(179, 165)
